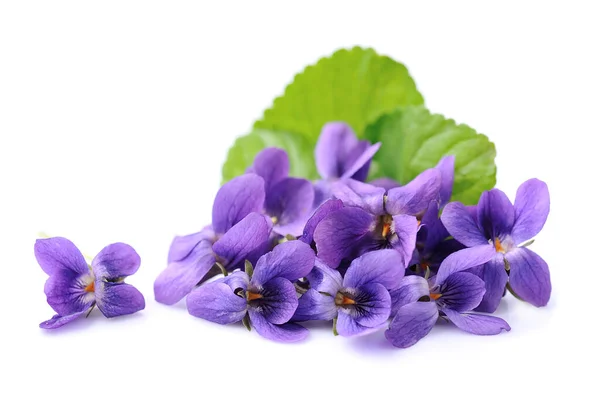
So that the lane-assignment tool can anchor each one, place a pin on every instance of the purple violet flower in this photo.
(418, 303)
(340, 155)
(74, 287)
(360, 302)
(288, 200)
(374, 219)
(496, 235)
(238, 230)
(266, 298)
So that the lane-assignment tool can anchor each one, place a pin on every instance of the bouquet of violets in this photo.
(386, 234)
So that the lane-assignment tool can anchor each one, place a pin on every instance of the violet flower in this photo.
(360, 302)
(238, 230)
(374, 219)
(418, 303)
(266, 298)
(340, 155)
(288, 200)
(74, 287)
(497, 234)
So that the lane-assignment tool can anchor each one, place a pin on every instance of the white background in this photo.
(115, 118)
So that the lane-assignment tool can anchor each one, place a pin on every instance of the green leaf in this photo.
(413, 139)
(356, 86)
(242, 153)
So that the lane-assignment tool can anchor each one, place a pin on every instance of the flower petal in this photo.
(464, 259)
(217, 301)
(313, 305)
(272, 164)
(347, 326)
(405, 228)
(182, 246)
(341, 234)
(384, 267)
(118, 298)
(495, 214)
(290, 260)
(460, 224)
(324, 278)
(411, 323)
(529, 276)
(375, 305)
(57, 321)
(179, 278)
(477, 324)
(385, 183)
(66, 292)
(329, 206)
(278, 300)
(495, 278)
(461, 291)
(236, 199)
(446, 168)
(414, 197)
(241, 239)
(357, 194)
(117, 260)
(285, 333)
(410, 290)
(58, 254)
(290, 201)
(532, 206)
(334, 144)
(358, 161)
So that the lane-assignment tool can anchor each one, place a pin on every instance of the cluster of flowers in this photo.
(366, 256)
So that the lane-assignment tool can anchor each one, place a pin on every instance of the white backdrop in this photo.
(115, 118)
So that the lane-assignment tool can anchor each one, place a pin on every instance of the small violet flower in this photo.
(360, 302)
(340, 155)
(496, 233)
(74, 287)
(288, 200)
(266, 298)
(418, 303)
(238, 230)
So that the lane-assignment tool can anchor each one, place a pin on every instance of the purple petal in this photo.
(272, 164)
(182, 246)
(357, 194)
(477, 324)
(325, 279)
(495, 214)
(529, 276)
(375, 305)
(57, 321)
(461, 225)
(384, 267)
(464, 259)
(446, 168)
(118, 298)
(340, 234)
(217, 301)
(532, 206)
(290, 201)
(432, 227)
(179, 278)
(68, 292)
(411, 323)
(315, 306)
(117, 260)
(241, 239)
(410, 290)
(385, 183)
(278, 300)
(290, 260)
(57, 254)
(286, 333)
(359, 161)
(414, 198)
(236, 199)
(461, 291)
(321, 212)
(347, 326)
(495, 278)
(405, 229)
(335, 142)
